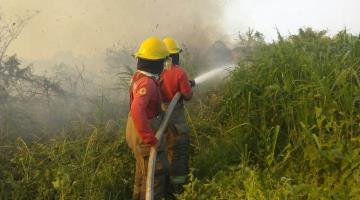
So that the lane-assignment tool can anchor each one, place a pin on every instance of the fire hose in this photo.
(153, 152)
(159, 134)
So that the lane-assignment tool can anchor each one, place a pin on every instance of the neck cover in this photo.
(151, 66)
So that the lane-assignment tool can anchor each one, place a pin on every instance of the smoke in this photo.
(193, 23)
(89, 30)
(88, 27)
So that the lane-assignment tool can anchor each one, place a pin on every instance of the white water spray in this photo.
(218, 72)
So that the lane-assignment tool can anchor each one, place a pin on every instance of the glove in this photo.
(151, 140)
(192, 83)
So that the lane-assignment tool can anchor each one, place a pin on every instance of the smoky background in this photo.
(72, 96)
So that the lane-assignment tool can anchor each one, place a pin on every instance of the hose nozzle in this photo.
(192, 83)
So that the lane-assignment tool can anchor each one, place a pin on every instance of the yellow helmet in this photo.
(171, 45)
(152, 49)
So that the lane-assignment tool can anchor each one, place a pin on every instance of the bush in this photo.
(96, 167)
(289, 123)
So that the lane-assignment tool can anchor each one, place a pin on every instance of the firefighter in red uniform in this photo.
(174, 79)
(144, 116)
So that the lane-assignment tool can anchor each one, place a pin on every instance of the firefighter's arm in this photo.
(138, 113)
(185, 87)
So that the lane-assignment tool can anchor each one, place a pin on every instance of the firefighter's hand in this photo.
(156, 145)
(151, 141)
(192, 83)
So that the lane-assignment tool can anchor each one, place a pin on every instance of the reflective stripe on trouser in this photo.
(141, 153)
(177, 143)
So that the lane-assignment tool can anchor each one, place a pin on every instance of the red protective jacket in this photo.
(174, 80)
(145, 101)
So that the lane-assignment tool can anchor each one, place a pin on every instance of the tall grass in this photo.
(95, 167)
(288, 124)
(284, 126)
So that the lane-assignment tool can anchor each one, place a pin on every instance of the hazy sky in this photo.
(87, 27)
(290, 15)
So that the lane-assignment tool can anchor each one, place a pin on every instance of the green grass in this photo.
(285, 125)
(96, 167)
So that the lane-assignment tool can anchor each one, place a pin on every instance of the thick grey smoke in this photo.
(88, 27)
(193, 22)
(91, 29)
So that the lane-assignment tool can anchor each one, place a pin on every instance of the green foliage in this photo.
(95, 167)
(284, 126)
(288, 124)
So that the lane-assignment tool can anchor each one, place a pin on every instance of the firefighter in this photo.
(174, 79)
(145, 116)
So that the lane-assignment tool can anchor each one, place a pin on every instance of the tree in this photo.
(16, 81)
